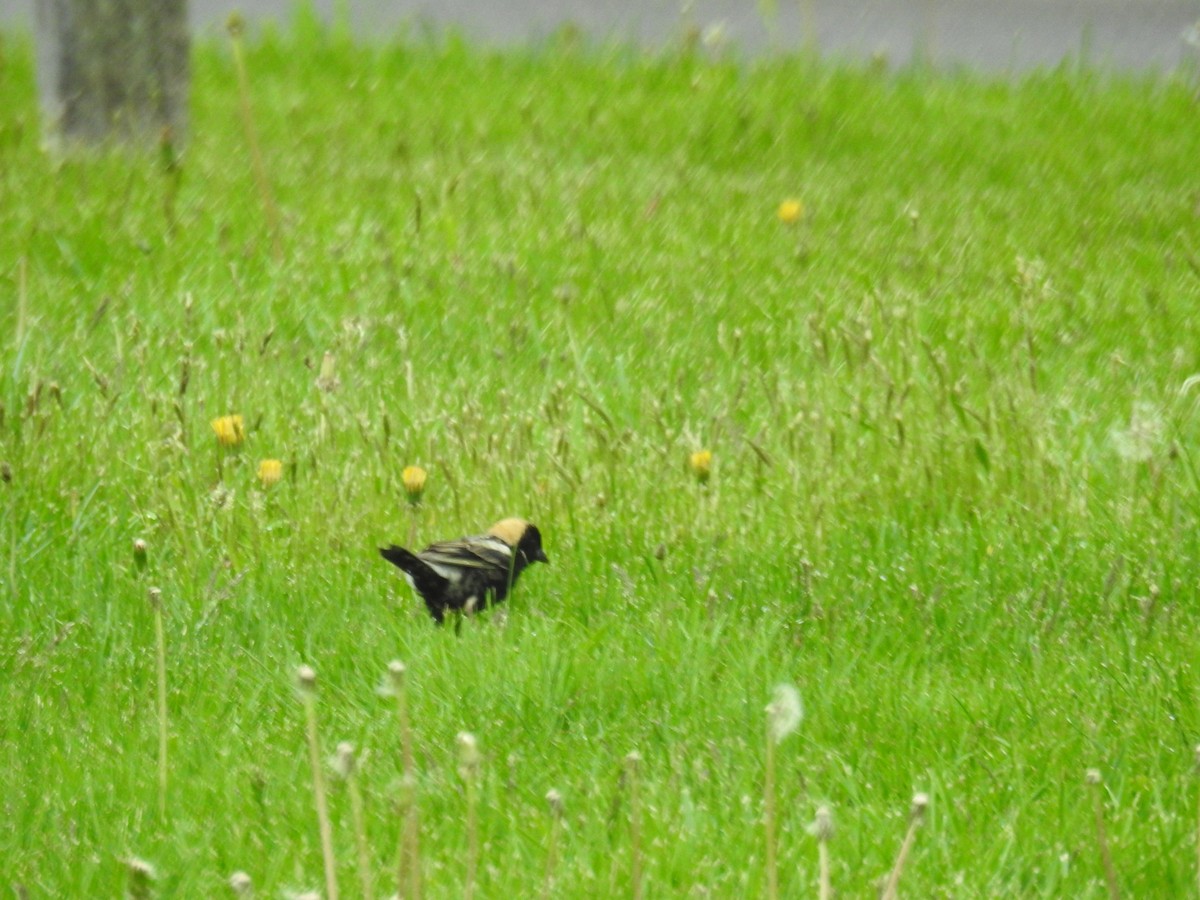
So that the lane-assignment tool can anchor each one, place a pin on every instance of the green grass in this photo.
(954, 496)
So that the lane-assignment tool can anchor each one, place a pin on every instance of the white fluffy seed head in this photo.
(396, 672)
(142, 876)
(344, 762)
(240, 884)
(822, 826)
(920, 803)
(468, 754)
(306, 679)
(784, 712)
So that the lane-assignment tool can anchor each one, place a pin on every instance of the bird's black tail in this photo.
(429, 584)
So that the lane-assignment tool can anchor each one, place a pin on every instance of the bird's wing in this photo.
(480, 552)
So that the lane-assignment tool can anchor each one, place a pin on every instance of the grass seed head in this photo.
(139, 554)
(306, 680)
(155, 596)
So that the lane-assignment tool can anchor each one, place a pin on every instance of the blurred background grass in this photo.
(953, 495)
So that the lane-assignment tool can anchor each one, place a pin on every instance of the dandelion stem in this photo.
(22, 301)
(825, 890)
(916, 816)
(784, 713)
(160, 645)
(472, 838)
(360, 836)
(823, 828)
(554, 799)
(769, 819)
(632, 762)
(1110, 873)
(414, 516)
(348, 766)
(307, 679)
(468, 769)
(1198, 825)
(408, 876)
(235, 27)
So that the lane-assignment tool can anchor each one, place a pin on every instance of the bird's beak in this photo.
(541, 556)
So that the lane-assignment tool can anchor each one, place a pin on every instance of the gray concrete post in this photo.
(113, 71)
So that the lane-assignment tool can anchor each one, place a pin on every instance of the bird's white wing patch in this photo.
(453, 574)
(497, 544)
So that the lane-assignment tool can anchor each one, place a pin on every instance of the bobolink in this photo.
(471, 572)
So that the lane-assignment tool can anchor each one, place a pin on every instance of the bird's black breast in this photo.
(480, 587)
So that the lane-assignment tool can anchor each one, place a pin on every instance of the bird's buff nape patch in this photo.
(509, 530)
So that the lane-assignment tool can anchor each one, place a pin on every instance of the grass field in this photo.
(954, 495)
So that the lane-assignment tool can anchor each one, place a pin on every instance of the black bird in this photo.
(471, 572)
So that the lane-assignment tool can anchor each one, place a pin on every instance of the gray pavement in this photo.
(1004, 35)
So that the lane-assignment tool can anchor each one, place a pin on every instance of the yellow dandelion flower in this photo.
(701, 463)
(791, 212)
(230, 430)
(413, 478)
(270, 471)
